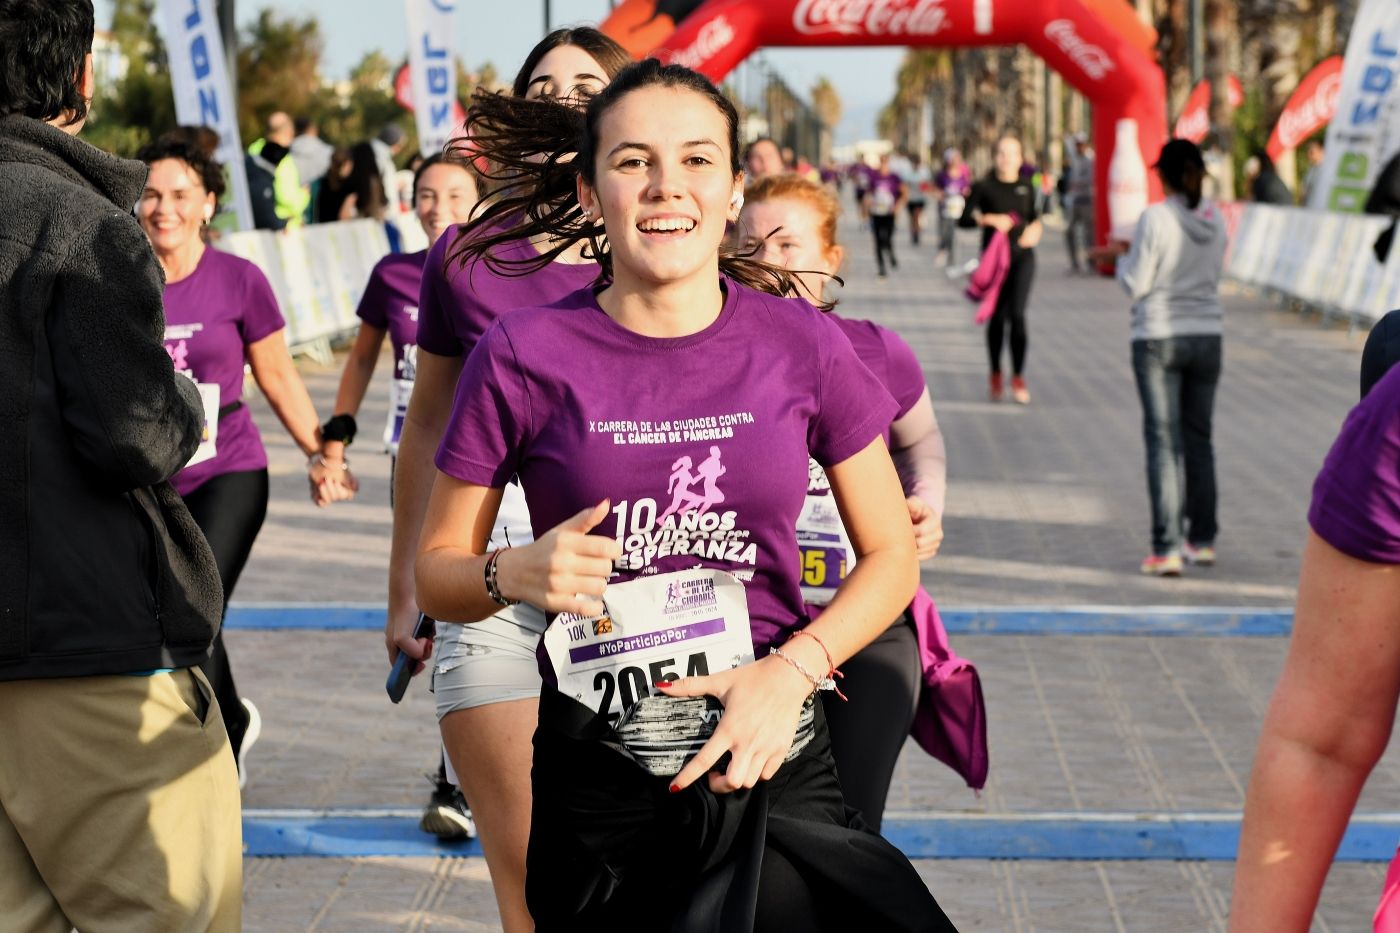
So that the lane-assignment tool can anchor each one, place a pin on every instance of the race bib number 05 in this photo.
(657, 628)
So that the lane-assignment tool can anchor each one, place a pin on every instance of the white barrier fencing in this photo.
(318, 273)
(1318, 259)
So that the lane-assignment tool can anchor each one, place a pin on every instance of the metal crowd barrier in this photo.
(1317, 260)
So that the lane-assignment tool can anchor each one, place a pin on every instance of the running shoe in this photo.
(250, 736)
(446, 815)
(1202, 555)
(994, 387)
(1019, 393)
(1162, 565)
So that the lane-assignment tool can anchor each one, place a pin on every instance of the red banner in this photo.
(1309, 109)
(1194, 122)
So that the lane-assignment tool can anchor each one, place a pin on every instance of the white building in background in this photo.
(109, 65)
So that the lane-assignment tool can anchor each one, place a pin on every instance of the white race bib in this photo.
(400, 391)
(657, 628)
(827, 555)
(209, 396)
(953, 205)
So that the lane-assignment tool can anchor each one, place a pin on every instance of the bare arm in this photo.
(279, 380)
(355, 379)
(916, 446)
(762, 700)
(434, 385)
(1030, 237)
(1327, 726)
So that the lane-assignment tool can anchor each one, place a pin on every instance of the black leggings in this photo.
(229, 509)
(868, 731)
(883, 227)
(1011, 306)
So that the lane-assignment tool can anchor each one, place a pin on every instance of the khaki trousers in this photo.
(119, 807)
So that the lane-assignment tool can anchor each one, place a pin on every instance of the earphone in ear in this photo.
(737, 201)
(208, 213)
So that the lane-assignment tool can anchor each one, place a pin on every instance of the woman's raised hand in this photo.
(564, 570)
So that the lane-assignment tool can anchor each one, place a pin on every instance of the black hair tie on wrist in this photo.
(340, 428)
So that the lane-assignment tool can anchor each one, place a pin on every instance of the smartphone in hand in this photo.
(402, 671)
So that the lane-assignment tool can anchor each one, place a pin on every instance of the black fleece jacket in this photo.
(102, 570)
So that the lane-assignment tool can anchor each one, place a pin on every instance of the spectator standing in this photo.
(1315, 152)
(386, 147)
(1080, 228)
(312, 156)
(119, 804)
(268, 158)
(1172, 271)
(953, 184)
(1265, 185)
(882, 202)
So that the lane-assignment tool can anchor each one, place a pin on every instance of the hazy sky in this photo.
(864, 77)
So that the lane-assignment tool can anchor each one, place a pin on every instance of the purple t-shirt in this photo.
(892, 361)
(455, 310)
(700, 442)
(211, 316)
(1356, 498)
(390, 303)
(884, 188)
(958, 183)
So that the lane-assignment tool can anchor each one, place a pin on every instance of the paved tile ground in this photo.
(1047, 506)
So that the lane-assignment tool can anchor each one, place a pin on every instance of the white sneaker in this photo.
(250, 735)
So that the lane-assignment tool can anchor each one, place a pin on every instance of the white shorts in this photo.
(491, 661)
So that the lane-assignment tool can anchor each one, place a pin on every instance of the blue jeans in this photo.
(1176, 380)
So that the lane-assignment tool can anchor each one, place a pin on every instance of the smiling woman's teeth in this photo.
(674, 223)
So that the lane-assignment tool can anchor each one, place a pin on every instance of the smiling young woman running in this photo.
(591, 401)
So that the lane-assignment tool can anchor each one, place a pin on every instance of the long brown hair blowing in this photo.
(538, 149)
(603, 49)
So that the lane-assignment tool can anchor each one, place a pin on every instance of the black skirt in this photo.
(611, 848)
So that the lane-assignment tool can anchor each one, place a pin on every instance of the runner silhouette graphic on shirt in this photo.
(686, 499)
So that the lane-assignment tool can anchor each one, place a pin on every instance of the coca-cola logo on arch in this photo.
(870, 17)
(712, 37)
(1094, 61)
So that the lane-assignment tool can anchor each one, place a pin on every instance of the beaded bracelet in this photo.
(493, 586)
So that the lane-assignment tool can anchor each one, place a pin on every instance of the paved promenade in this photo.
(1047, 508)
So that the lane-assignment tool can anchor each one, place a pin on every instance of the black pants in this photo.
(883, 227)
(612, 849)
(1011, 309)
(868, 731)
(229, 509)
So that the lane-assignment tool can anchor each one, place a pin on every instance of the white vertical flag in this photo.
(432, 71)
(203, 97)
(1365, 131)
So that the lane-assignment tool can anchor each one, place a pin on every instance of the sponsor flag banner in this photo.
(1309, 109)
(1194, 122)
(1364, 132)
(432, 71)
(203, 94)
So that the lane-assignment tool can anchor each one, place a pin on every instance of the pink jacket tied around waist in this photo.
(984, 287)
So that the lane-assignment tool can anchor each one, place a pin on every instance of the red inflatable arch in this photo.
(1098, 46)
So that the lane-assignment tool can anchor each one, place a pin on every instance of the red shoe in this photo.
(1019, 393)
(994, 387)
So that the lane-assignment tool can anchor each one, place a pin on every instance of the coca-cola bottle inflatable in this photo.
(1127, 182)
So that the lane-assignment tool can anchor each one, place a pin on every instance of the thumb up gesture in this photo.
(564, 570)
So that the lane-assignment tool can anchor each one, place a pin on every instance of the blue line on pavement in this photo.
(1190, 838)
(1016, 620)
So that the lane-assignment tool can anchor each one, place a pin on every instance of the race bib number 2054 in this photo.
(657, 628)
